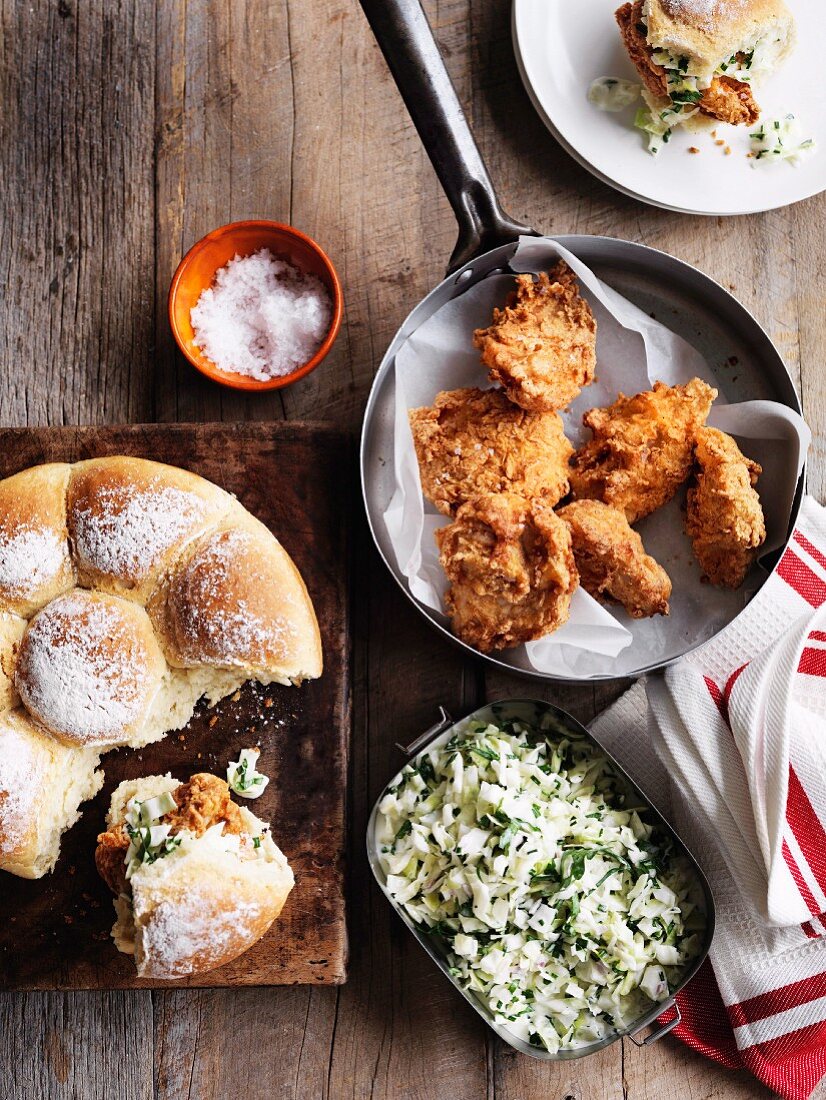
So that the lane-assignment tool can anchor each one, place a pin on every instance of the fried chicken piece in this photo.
(631, 23)
(110, 858)
(611, 559)
(724, 518)
(476, 441)
(542, 346)
(511, 569)
(727, 99)
(642, 447)
(201, 803)
(730, 101)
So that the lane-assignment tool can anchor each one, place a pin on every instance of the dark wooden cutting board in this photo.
(54, 933)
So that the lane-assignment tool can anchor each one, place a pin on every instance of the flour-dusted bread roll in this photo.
(202, 888)
(11, 633)
(35, 564)
(42, 784)
(90, 668)
(129, 518)
(236, 601)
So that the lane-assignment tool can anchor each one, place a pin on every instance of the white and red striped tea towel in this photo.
(731, 743)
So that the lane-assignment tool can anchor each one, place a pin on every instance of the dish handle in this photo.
(663, 1029)
(406, 40)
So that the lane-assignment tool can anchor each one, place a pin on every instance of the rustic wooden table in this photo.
(127, 130)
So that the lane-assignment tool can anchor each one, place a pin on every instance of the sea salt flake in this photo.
(262, 317)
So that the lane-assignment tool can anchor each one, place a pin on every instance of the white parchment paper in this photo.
(633, 351)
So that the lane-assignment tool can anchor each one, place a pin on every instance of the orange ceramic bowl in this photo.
(196, 272)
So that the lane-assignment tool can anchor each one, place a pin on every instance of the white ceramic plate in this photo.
(561, 47)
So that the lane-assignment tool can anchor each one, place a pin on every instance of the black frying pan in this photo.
(696, 307)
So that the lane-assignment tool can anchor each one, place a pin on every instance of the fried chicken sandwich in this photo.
(702, 58)
(197, 878)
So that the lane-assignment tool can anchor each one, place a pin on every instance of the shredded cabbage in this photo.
(522, 853)
(657, 125)
(148, 840)
(779, 139)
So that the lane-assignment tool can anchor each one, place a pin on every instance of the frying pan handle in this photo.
(406, 40)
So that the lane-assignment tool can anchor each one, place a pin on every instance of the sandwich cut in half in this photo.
(701, 58)
(197, 878)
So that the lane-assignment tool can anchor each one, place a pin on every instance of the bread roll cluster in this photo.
(128, 590)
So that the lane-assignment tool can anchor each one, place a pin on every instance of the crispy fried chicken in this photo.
(476, 441)
(724, 518)
(641, 451)
(611, 559)
(511, 570)
(542, 346)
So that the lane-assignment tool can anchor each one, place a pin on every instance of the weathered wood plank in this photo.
(77, 301)
(194, 102)
(669, 1069)
(76, 278)
(69, 1045)
(400, 1029)
(278, 1045)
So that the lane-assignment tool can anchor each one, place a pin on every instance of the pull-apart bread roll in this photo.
(42, 784)
(235, 601)
(35, 564)
(129, 519)
(89, 669)
(129, 590)
(197, 879)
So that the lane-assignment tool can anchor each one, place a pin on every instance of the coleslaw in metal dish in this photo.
(541, 880)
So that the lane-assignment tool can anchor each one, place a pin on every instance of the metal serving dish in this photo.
(532, 711)
(689, 302)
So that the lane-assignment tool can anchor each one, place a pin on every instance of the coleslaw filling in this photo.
(612, 93)
(557, 905)
(778, 139)
(687, 79)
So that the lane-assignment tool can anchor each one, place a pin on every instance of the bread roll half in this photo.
(711, 32)
(42, 784)
(203, 904)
